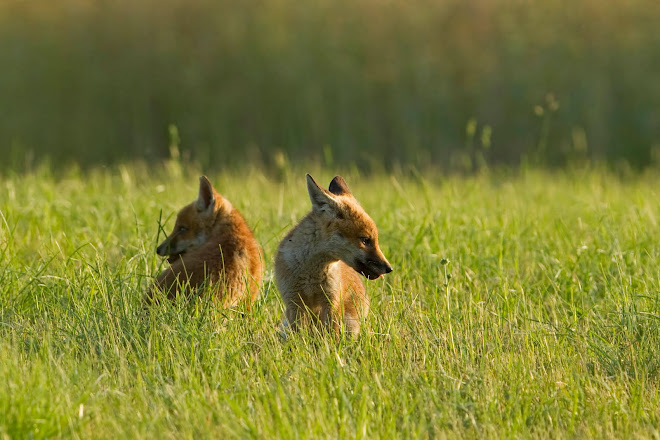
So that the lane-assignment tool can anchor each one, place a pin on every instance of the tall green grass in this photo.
(397, 81)
(521, 306)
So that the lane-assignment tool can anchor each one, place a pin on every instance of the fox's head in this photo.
(351, 235)
(194, 223)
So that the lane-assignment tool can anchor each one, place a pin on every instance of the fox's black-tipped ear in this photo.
(339, 187)
(206, 200)
(321, 200)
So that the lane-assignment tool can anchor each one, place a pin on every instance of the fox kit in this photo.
(211, 244)
(319, 263)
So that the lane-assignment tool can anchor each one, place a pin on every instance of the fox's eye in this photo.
(365, 241)
(182, 229)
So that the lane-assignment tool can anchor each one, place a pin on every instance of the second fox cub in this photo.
(318, 264)
(212, 244)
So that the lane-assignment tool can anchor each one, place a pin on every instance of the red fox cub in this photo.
(211, 244)
(318, 264)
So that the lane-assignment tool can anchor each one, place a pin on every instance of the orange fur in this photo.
(211, 244)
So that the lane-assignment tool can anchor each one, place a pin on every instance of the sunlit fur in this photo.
(211, 245)
(319, 263)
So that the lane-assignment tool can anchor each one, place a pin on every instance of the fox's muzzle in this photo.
(163, 249)
(373, 269)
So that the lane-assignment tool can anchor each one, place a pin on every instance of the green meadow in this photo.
(522, 305)
(508, 151)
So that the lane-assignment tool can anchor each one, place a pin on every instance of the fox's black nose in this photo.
(385, 267)
(160, 250)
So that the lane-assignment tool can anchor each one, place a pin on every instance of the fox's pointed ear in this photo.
(206, 200)
(321, 200)
(339, 187)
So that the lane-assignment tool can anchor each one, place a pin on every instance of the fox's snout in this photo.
(167, 247)
(373, 269)
(163, 249)
(388, 268)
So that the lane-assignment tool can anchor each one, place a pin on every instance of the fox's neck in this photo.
(318, 269)
(305, 250)
(225, 224)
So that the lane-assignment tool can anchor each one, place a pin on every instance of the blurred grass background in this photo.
(453, 83)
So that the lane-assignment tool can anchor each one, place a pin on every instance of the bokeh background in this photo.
(454, 84)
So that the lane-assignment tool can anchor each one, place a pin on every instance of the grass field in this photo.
(544, 323)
